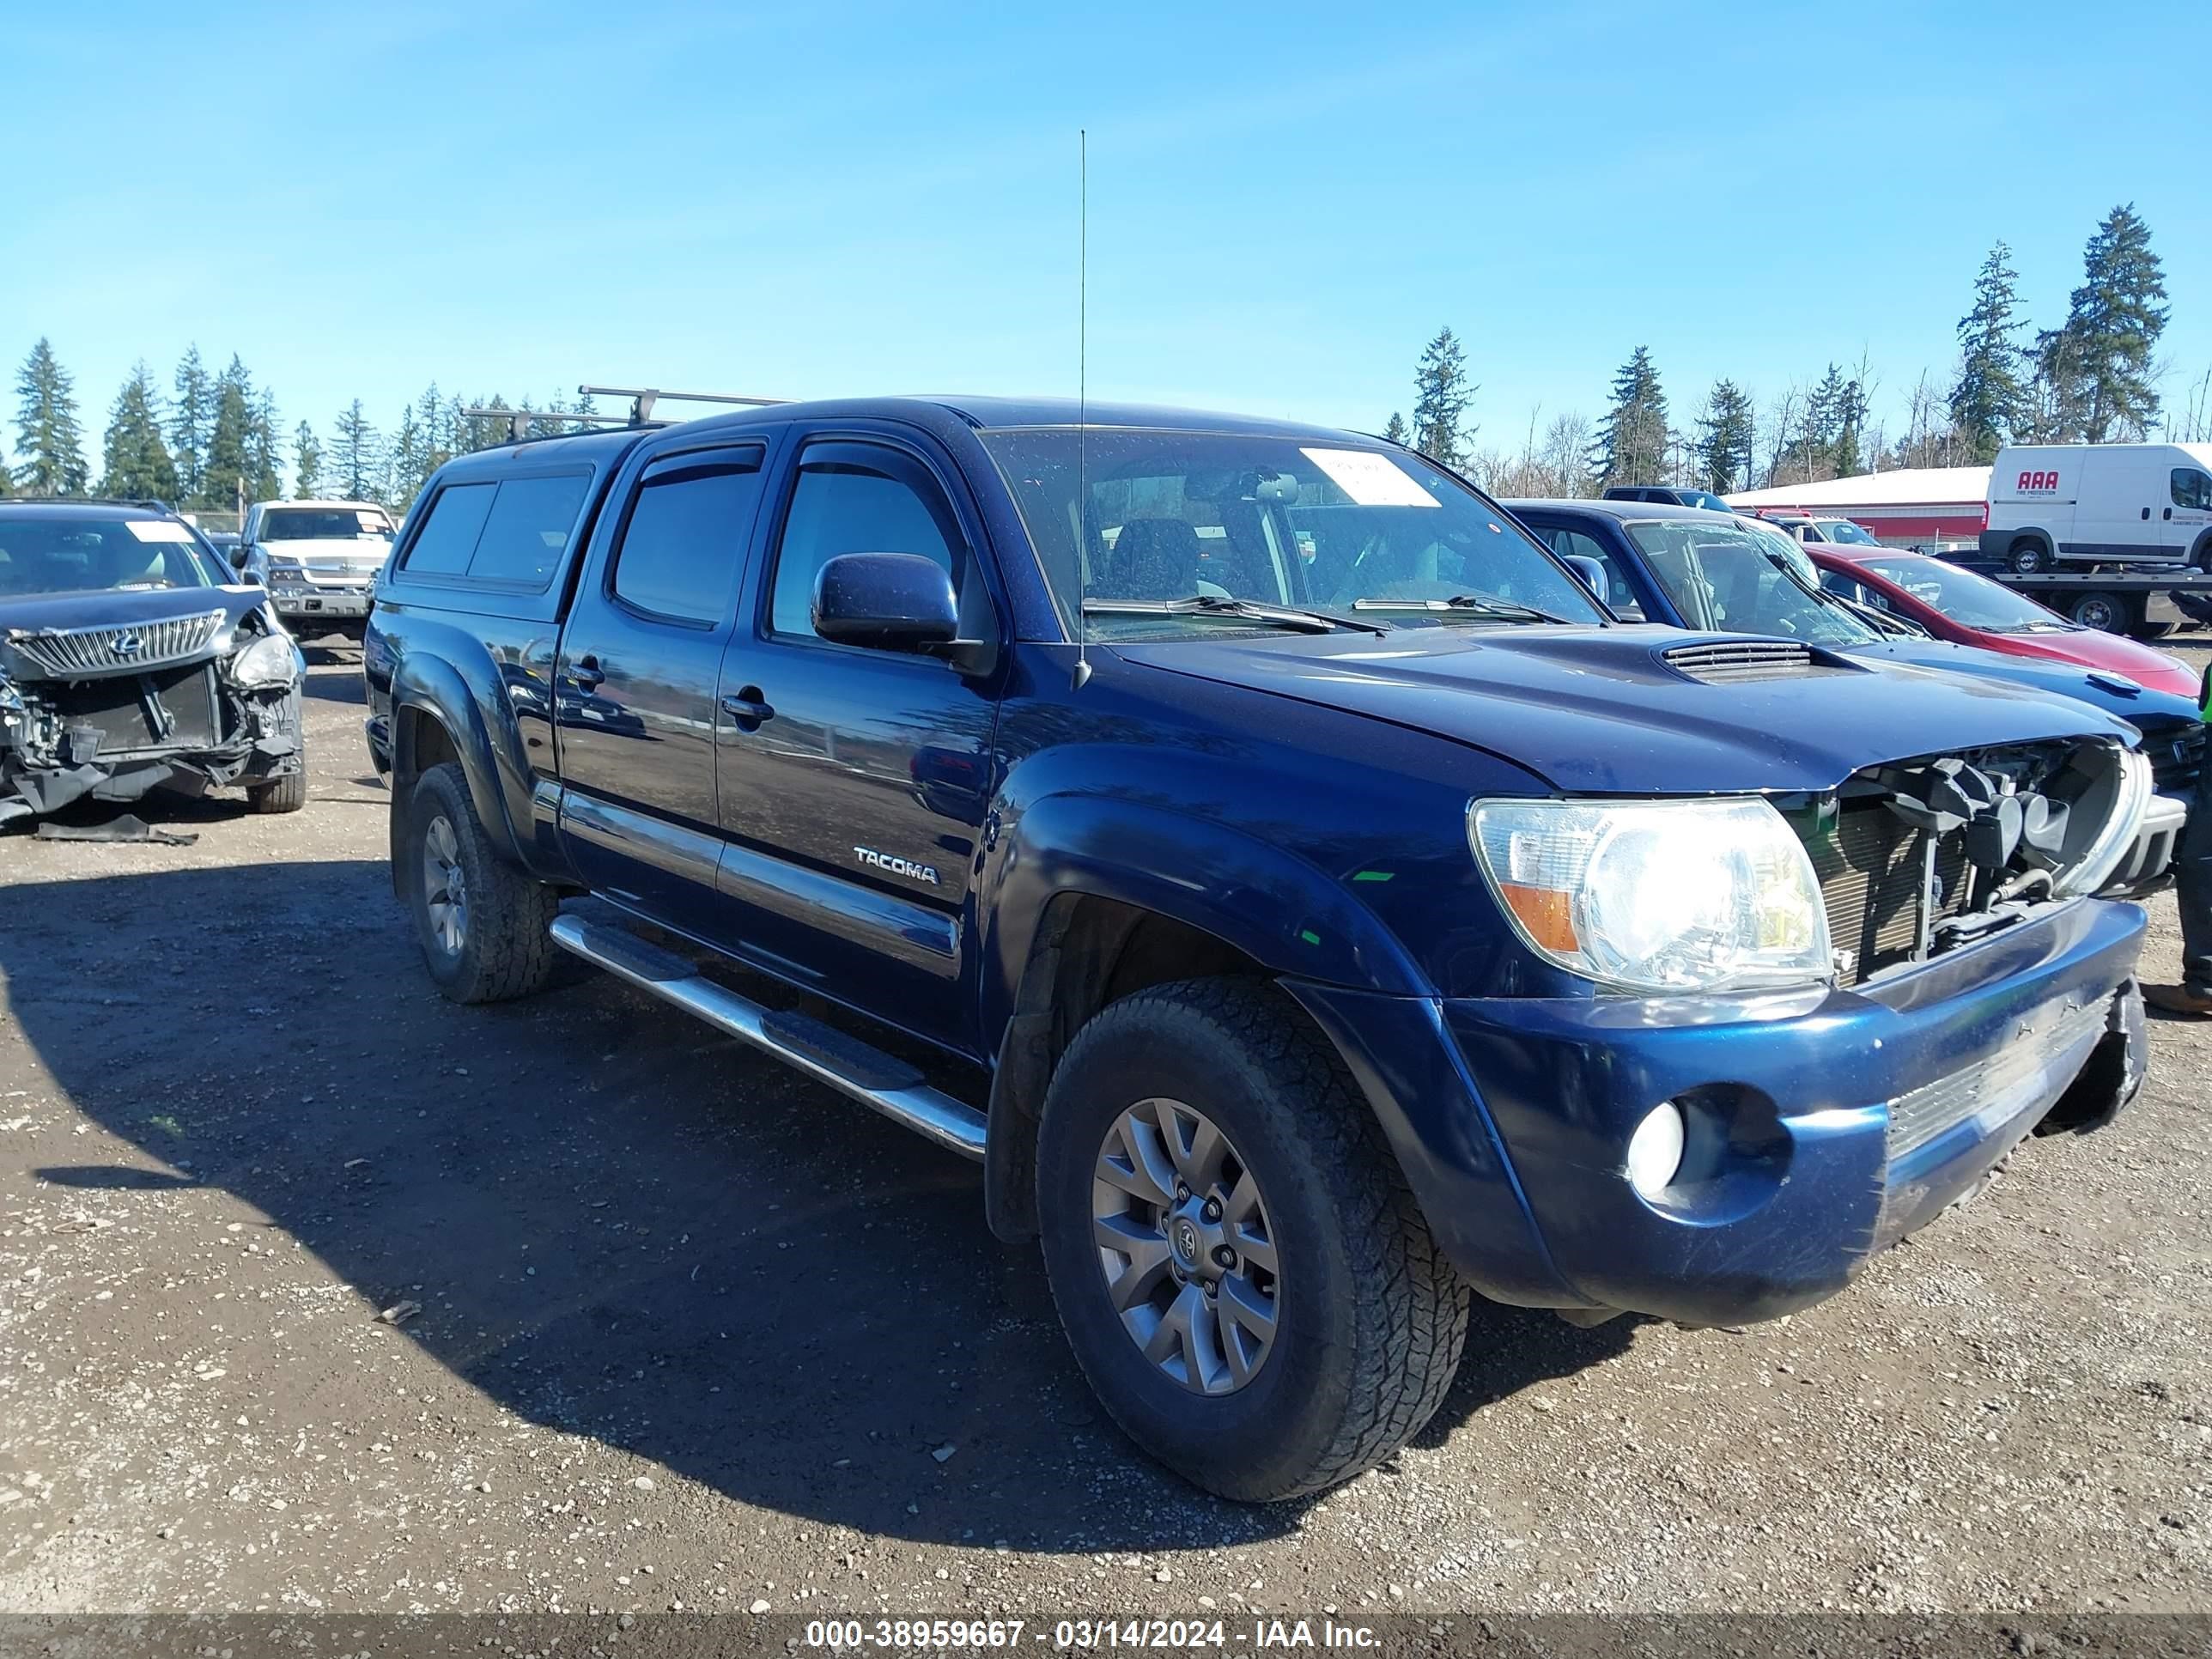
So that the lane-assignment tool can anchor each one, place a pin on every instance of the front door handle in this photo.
(587, 673)
(2168, 514)
(748, 708)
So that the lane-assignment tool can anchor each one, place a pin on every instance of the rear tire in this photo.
(2027, 558)
(1368, 1319)
(481, 923)
(2106, 612)
(2150, 632)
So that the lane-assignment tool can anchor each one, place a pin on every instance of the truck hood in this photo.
(2139, 705)
(1599, 711)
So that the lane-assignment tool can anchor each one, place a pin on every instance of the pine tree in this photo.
(2095, 368)
(46, 430)
(1987, 399)
(6, 478)
(1850, 413)
(191, 415)
(307, 464)
(1725, 438)
(263, 449)
(1631, 440)
(227, 470)
(353, 457)
(1396, 431)
(430, 419)
(134, 463)
(403, 470)
(1442, 394)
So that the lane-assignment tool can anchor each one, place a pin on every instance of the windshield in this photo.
(1734, 579)
(1843, 530)
(1175, 515)
(1964, 597)
(324, 524)
(75, 554)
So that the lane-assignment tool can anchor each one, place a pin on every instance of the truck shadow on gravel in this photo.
(617, 1223)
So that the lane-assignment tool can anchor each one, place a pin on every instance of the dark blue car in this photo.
(1323, 909)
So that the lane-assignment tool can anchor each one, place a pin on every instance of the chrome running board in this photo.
(821, 1052)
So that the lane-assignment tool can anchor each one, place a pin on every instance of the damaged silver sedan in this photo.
(126, 665)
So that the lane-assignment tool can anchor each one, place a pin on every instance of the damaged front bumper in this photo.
(184, 727)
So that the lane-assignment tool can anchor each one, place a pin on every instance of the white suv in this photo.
(317, 560)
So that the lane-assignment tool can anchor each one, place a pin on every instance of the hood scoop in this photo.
(1732, 662)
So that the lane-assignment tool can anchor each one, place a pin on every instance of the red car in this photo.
(1957, 605)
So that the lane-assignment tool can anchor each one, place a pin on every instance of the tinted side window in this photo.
(448, 538)
(684, 546)
(2192, 489)
(527, 529)
(850, 499)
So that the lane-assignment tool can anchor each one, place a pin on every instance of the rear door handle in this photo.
(587, 673)
(748, 708)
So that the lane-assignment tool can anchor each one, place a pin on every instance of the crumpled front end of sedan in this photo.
(112, 710)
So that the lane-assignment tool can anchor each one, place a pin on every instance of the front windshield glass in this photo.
(324, 524)
(1964, 597)
(1843, 530)
(1176, 515)
(1732, 579)
(71, 553)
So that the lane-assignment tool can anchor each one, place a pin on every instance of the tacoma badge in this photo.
(896, 867)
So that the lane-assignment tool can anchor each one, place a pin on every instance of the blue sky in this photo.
(1286, 201)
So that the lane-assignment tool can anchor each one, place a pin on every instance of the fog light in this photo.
(1655, 1151)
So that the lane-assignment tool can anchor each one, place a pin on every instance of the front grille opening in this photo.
(109, 718)
(2176, 759)
(1910, 859)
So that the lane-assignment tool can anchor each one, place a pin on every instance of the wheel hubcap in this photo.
(1184, 1244)
(445, 887)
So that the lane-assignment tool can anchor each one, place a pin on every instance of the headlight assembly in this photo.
(1671, 896)
(271, 660)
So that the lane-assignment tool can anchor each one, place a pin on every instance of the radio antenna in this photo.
(1082, 408)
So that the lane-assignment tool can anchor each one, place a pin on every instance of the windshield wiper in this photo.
(1482, 604)
(1214, 605)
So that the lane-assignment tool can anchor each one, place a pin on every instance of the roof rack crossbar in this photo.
(642, 397)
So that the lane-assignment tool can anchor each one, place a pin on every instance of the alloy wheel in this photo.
(1185, 1246)
(445, 886)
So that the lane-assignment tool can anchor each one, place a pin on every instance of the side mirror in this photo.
(1592, 574)
(888, 601)
(237, 555)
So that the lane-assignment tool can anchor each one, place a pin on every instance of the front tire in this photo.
(1241, 1270)
(286, 794)
(2027, 558)
(482, 924)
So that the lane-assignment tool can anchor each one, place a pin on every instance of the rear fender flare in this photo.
(433, 688)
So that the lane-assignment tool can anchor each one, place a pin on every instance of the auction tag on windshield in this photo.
(374, 522)
(158, 529)
(1369, 478)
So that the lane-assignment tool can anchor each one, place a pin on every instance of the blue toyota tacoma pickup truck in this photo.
(1338, 911)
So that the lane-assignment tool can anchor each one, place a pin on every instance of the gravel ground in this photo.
(664, 1326)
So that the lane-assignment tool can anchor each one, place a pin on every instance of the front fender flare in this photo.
(1279, 908)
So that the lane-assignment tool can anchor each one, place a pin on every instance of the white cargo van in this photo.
(2113, 502)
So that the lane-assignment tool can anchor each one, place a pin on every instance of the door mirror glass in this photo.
(1592, 574)
(888, 601)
